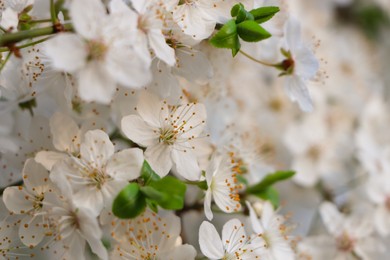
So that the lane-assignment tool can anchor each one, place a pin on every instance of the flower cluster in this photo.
(135, 129)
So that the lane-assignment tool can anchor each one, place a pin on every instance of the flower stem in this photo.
(53, 14)
(10, 38)
(256, 60)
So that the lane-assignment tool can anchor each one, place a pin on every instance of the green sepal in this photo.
(129, 203)
(264, 14)
(250, 31)
(227, 38)
(269, 180)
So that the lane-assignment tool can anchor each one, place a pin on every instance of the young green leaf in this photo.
(227, 37)
(250, 31)
(271, 195)
(240, 13)
(263, 14)
(269, 180)
(168, 192)
(147, 174)
(129, 203)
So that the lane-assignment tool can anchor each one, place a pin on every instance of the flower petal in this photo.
(17, 199)
(96, 148)
(297, 91)
(67, 52)
(159, 158)
(210, 241)
(186, 162)
(126, 165)
(31, 230)
(162, 50)
(95, 84)
(135, 128)
(88, 17)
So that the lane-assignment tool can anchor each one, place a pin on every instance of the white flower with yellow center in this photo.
(98, 174)
(270, 231)
(150, 236)
(223, 187)
(29, 201)
(168, 133)
(299, 66)
(235, 244)
(102, 53)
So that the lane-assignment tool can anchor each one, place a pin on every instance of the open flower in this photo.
(235, 244)
(168, 133)
(223, 187)
(299, 66)
(102, 53)
(98, 174)
(150, 236)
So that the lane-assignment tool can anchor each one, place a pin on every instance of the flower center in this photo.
(38, 201)
(345, 243)
(98, 178)
(96, 50)
(167, 136)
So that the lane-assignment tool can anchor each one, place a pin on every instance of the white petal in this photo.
(135, 128)
(17, 200)
(66, 51)
(9, 19)
(96, 148)
(65, 133)
(193, 65)
(159, 158)
(193, 21)
(207, 205)
(31, 230)
(92, 233)
(162, 50)
(128, 67)
(306, 64)
(256, 225)
(210, 241)
(186, 162)
(152, 109)
(297, 91)
(49, 158)
(126, 164)
(293, 34)
(89, 197)
(95, 83)
(139, 5)
(88, 17)
(332, 218)
(233, 231)
(34, 175)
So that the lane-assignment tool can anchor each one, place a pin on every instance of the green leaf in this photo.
(240, 13)
(227, 37)
(147, 174)
(168, 192)
(271, 195)
(269, 180)
(152, 205)
(250, 31)
(263, 14)
(129, 203)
